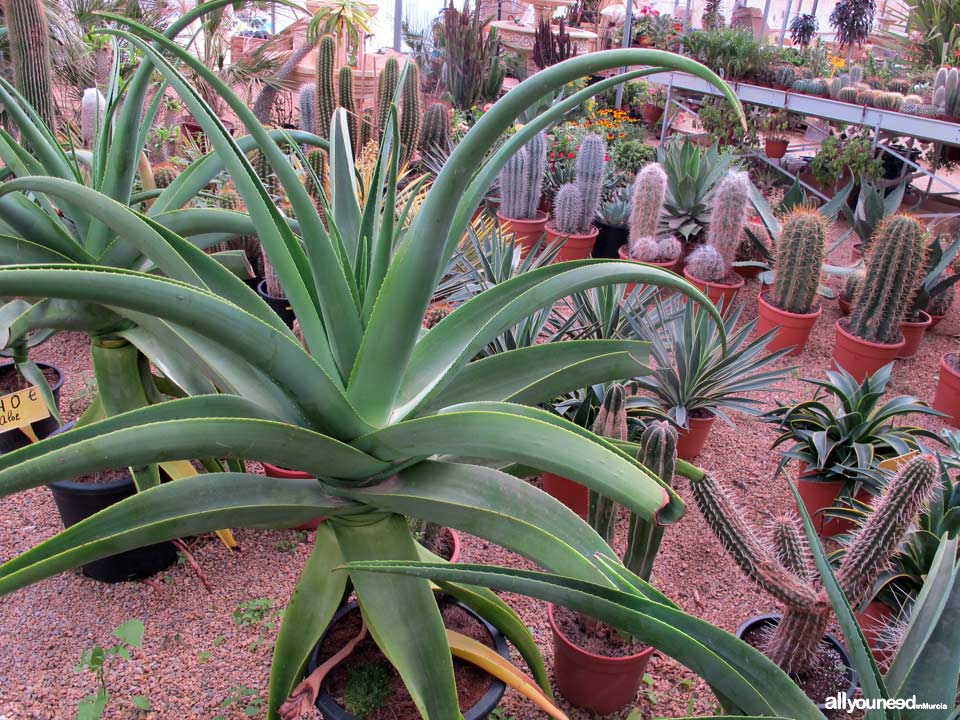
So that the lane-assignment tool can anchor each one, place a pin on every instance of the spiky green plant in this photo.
(785, 76)
(410, 112)
(786, 572)
(658, 444)
(29, 34)
(345, 81)
(590, 168)
(847, 95)
(435, 135)
(307, 102)
(326, 91)
(387, 83)
(893, 271)
(728, 215)
(164, 174)
(521, 180)
(568, 210)
(799, 256)
(317, 162)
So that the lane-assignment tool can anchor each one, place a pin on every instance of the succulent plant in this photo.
(941, 304)
(92, 107)
(784, 570)
(317, 162)
(307, 102)
(165, 173)
(345, 83)
(847, 95)
(838, 83)
(851, 285)
(649, 191)
(410, 114)
(856, 74)
(326, 93)
(387, 83)
(521, 180)
(785, 76)
(728, 214)
(435, 135)
(920, 109)
(229, 199)
(574, 210)
(889, 101)
(946, 91)
(799, 255)
(568, 210)
(29, 34)
(893, 271)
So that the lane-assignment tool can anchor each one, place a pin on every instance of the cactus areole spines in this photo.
(799, 256)
(29, 35)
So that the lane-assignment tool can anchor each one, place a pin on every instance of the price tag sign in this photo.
(894, 464)
(22, 408)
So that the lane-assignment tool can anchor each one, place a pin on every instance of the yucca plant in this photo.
(360, 410)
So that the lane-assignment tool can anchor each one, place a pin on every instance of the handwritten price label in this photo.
(22, 408)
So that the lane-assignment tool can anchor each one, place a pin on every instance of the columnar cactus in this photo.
(261, 166)
(347, 103)
(386, 90)
(521, 180)
(435, 135)
(946, 91)
(326, 97)
(799, 255)
(658, 454)
(317, 162)
(307, 101)
(728, 214)
(591, 168)
(410, 114)
(271, 282)
(785, 572)
(896, 260)
(649, 191)
(856, 74)
(611, 422)
(366, 128)
(29, 35)
(92, 107)
(568, 210)
(851, 285)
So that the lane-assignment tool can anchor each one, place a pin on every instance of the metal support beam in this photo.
(786, 21)
(627, 37)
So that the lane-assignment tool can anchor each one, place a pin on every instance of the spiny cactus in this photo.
(799, 254)
(649, 191)
(326, 98)
(521, 180)
(611, 422)
(435, 135)
(590, 168)
(658, 453)
(728, 214)
(317, 162)
(568, 210)
(899, 85)
(896, 259)
(272, 283)
(785, 573)
(29, 35)
(856, 74)
(785, 76)
(837, 84)
(164, 174)
(889, 101)
(307, 101)
(386, 90)
(851, 285)
(435, 313)
(92, 107)
(261, 166)
(946, 91)
(366, 128)
(410, 114)
(229, 199)
(847, 95)
(345, 82)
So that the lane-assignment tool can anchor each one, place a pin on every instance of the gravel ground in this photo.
(195, 657)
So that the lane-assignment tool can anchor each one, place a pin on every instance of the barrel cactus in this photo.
(783, 567)
(326, 93)
(713, 261)
(29, 35)
(435, 134)
(847, 95)
(799, 256)
(649, 191)
(785, 76)
(521, 180)
(896, 260)
(164, 173)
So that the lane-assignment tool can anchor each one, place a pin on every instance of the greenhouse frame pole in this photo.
(627, 32)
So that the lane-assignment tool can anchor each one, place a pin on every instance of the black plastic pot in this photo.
(761, 621)
(78, 501)
(331, 710)
(280, 305)
(15, 439)
(609, 241)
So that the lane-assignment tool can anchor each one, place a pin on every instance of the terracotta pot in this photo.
(775, 149)
(716, 291)
(859, 357)
(818, 496)
(845, 307)
(947, 398)
(673, 266)
(749, 272)
(574, 495)
(576, 247)
(913, 333)
(594, 682)
(794, 329)
(935, 320)
(874, 620)
(275, 471)
(856, 252)
(651, 113)
(457, 549)
(690, 441)
(527, 232)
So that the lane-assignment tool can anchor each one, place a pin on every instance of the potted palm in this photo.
(788, 306)
(576, 203)
(521, 184)
(649, 191)
(839, 445)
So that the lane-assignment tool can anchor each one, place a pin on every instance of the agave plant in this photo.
(389, 419)
(692, 173)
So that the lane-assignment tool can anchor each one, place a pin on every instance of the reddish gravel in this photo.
(194, 654)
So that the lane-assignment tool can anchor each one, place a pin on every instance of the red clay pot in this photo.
(690, 441)
(775, 149)
(673, 266)
(935, 320)
(527, 232)
(577, 247)
(947, 398)
(455, 536)
(794, 329)
(593, 682)
(716, 291)
(856, 252)
(859, 357)
(275, 471)
(845, 307)
(574, 495)
(818, 496)
(651, 113)
(913, 333)
(874, 620)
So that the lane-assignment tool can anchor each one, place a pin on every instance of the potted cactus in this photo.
(576, 202)
(847, 295)
(789, 306)
(710, 266)
(613, 222)
(521, 182)
(649, 191)
(871, 337)
(935, 285)
(797, 639)
(596, 667)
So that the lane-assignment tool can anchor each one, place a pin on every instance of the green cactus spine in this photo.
(785, 76)
(29, 35)
(728, 214)
(791, 548)
(590, 168)
(521, 180)
(799, 256)
(435, 135)
(781, 572)
(611, 423)
(264, 171)
(164, 174)
(658, 453)
(567, 210)
(307, 101)
(851, 285)
(326, 98)
(410, 114)
(386, 91)
(345, 81)
(893, 271)
(856, 74)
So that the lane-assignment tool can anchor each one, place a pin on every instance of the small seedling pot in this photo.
(280, 305)
(576, 247)
(861, 357)
(913, 333)
(947, 397)
(527, 232)
(793, 329)
(691, 440)
(15, 439)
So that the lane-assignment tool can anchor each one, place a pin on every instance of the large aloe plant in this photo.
(357, 410)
